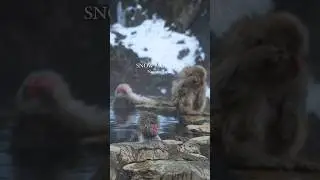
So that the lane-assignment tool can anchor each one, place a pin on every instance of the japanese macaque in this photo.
(123, 105)
(260, 90)
(126, 100)
(148, 126)
(189, 90)
(124, 94)
(50, 117)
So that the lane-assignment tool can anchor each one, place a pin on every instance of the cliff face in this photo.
(54, 35)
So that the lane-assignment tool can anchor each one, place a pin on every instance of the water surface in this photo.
(125, 130)
(65, 165)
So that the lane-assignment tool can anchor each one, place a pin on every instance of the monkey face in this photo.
(149, 124)
(39, 87)
(122, 90)
(150, 130)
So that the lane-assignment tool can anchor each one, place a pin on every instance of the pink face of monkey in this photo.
(150, 130)
(123, 90)
(37, 86)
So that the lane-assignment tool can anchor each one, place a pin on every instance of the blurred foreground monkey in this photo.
(260, 89)
(148, 126)
(189, 90)
(50, 117)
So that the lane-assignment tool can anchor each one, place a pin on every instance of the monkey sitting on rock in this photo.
(260, 88)
(50, 117)
(189, 90)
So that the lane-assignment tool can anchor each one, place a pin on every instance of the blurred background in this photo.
(225, 12)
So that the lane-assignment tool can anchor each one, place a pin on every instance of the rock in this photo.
(197, 120)
(137, 152)
(184, 170)
(204, 144)
(173, 142)
(203, 140)
(203, 129)
(190, 147)
(167, 159)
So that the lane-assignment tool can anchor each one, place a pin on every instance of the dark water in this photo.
(79, 164)
(124, 131)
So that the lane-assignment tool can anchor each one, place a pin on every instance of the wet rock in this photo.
(167, 159)
(204, 144)
(196, 120)
(200, 129)
(185, 170)
(173, 142)
(203, 140)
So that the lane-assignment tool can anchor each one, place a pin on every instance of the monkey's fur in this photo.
(49, 116)
(260, 89)
(148, 126)
(125, 97)
(188, 90)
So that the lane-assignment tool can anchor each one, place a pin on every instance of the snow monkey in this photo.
(50, 116)
(260, 89)
(189, 89)
(148, 126)
(124, 92)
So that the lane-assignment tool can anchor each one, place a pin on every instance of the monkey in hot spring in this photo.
(49, 116)
(260, 87)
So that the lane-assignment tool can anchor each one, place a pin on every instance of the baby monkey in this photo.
(148, 126)
(189, 89)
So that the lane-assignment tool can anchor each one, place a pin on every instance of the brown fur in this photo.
(145, 122)
(54, 115)
(188, 90)
(260, 89)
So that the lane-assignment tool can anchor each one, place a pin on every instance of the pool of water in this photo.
(124, 130)
(69, 165)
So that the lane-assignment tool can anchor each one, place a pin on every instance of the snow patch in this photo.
(153, 40)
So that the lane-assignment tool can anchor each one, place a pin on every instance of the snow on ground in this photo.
(153, 40)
